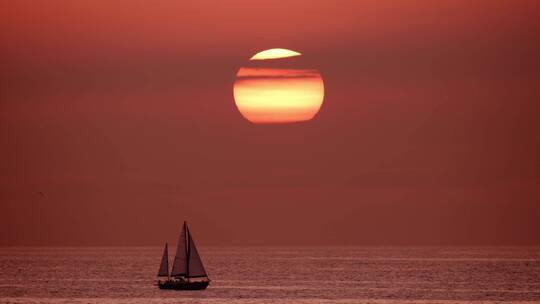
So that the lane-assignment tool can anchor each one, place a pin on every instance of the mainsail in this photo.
(187, 262)
(164, 267)
(195, 265)
(179, 265)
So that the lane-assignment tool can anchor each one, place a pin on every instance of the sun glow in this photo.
(278, 95)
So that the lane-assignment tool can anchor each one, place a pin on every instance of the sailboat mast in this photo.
(188, 250)
(167, 254)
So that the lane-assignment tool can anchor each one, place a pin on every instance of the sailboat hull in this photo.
(183, 285)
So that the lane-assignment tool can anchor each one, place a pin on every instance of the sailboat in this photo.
(187, 272)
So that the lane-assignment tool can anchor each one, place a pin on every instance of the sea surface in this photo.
(276, 275)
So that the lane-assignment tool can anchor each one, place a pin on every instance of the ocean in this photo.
(276, 275)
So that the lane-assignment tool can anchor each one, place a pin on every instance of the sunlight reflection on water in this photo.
(276, 275)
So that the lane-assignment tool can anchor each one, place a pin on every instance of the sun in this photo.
(275, 87)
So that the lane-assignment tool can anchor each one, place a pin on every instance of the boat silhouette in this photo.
(188, 271)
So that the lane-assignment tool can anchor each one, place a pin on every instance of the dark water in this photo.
(276, 275)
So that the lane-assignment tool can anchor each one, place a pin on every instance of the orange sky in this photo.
(122, 114)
